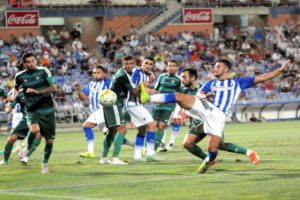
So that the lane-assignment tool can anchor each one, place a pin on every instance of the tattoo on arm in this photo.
(46, 90)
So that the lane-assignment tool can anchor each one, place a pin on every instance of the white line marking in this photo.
(49, 196)
(203, 177)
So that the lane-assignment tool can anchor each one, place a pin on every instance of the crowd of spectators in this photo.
(251, 49)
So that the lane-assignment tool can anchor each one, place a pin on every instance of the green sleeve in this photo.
(13, 103)
(51, 80)
(3, 93)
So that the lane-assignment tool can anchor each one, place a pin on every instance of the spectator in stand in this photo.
(64, 35)
(77, 44)
(75, 34)
(67, 88)
(60, 95)
(101, 39)
(10, 81)
(78, 111)
(68, 110)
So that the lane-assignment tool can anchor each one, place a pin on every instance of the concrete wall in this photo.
(5, 33)
(174, 29)
(91, 27)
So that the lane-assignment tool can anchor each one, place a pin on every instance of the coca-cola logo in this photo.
(22, 19)
(202, 16)
(198, 16)
(26, 19)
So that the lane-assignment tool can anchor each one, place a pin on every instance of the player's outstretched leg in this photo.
(230, 147)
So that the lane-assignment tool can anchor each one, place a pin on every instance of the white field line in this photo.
(49, 196)
(203, 177)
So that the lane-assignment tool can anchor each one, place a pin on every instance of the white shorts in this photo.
(16, 118)
(97, 117)
(212, 117)
(176, 113)
(140, 116)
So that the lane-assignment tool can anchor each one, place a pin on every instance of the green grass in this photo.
(277, 176)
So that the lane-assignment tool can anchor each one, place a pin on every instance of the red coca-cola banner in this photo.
(198, 16)
(22, 19)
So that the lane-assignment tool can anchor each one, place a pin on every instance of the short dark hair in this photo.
(226, 63)
(100, 67)
(27, 55)
(174, 61)
(149, 58)
(128, 57)
(192, 72)
(20, 65)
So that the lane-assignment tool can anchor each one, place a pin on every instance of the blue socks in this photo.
(211, 156)
(89, 134)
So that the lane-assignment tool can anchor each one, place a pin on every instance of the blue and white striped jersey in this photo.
(138, 76)
(17, 108)
(92, 90)
(226, 91)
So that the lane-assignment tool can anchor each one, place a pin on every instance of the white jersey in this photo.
(226, 91)
(17, 108)
(138, 76)
(92, 90)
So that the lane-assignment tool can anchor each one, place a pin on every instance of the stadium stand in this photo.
(251, 53)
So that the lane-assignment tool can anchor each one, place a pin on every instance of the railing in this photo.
(235, 3)
(269, 110)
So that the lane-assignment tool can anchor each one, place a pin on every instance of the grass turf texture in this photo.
(277, 176)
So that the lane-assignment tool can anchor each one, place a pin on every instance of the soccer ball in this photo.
(107, 98)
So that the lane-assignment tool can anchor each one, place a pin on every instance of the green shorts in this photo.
(162, 116)
(21, 129)
(196, 130)
(46, 123)
(113, 116)
(126, 115)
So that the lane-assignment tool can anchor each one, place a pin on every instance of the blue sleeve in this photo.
(86, 90)
(245, 82)
(206, 87)
(135, 77)
(107, 83)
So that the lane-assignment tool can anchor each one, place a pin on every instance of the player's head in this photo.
(172, 67)
(188, 76)
(128, 63)
(29, 60)
(222, 67)
(98, 72)
(148, 64)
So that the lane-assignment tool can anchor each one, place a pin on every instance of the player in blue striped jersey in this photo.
(140, 116)
(213, 104)
(91, 92)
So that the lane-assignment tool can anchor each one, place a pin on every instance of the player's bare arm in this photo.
(77, 87)
(270, 75)
(52, 88)
(202, 95)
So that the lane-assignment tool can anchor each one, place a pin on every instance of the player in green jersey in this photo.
(38, 85)
(121, 85)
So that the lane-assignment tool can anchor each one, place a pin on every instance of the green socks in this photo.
(7, 151)
(158, 137)
(197, 151)
(235, 148)
(35, 144)
(47, 152)
(106, 145)
(118, 144)
(30, 139)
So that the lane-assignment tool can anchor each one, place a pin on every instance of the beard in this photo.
(188, 84)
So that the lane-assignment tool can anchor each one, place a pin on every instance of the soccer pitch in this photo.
(277, 176)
